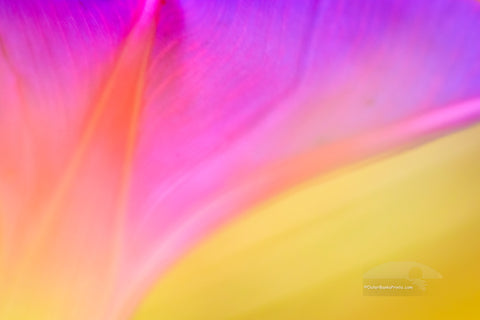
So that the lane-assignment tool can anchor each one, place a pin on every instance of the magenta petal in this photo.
(257, 83)
(204, 108)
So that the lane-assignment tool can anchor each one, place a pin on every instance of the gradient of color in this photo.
(237, 159)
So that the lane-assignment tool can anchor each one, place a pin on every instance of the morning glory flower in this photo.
(132, 130)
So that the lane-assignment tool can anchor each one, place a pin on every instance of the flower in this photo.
(131, 130)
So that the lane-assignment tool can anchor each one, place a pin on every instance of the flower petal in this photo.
(259, 83)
